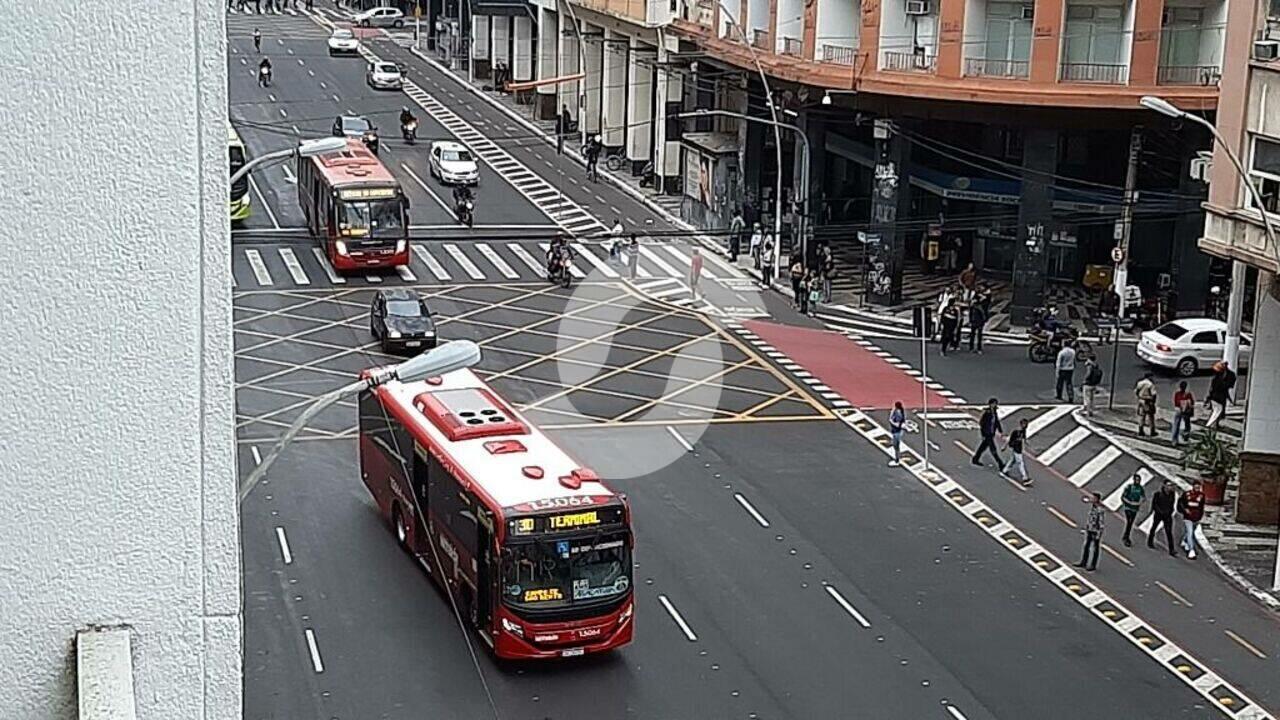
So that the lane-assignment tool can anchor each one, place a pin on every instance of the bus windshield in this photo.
(377, 218)
(560, 573)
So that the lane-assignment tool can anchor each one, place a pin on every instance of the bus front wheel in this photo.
(402, 530)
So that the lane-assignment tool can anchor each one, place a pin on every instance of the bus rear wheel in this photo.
(402, 530)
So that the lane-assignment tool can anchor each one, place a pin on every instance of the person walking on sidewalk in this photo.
(592, 152)
(563, 128)
(1224, 380)
(695, 272)
(1092, 379)
(897, 422)
(1017, 446)
(950, 325)
(1066, 365)
(736, 227)
(1131, 501)
(797, 279)
(989, 426)
(979, 311)
(815, 292)
(757, 239)
(827, 266)
(1093, 526)
(1184, 408)
(1146, 393)
(766, 265)
(1162, 514)
(1191, 507)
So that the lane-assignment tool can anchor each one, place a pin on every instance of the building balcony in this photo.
(1101, 73)
(1207, 75)
(1238, 234)
(790, 46)
(909, 62)
(980, 67)
(839, 54)
(760, 39)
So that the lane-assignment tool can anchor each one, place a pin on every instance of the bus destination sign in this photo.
(566, 522)
(375, 193)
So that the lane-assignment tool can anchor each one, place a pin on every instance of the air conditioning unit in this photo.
(1028, 12)
(1262, 49)
(918, 7)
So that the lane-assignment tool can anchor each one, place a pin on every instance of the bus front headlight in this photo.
(400, 246)
(341, 247)
(512, 628)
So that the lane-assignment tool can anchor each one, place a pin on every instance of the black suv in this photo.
(401, 320)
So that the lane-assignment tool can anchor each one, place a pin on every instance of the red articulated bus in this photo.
(533, 548)
(355, 207)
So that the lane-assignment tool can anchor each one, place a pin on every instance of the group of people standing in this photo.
(1221, 388)
(964, 304)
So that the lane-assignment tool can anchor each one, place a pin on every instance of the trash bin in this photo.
(922, 321)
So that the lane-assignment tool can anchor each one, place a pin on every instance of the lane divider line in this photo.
(285, 553)
(316, 663)
(848, 606)
(751, 510)
(675, 615)
(680, 439)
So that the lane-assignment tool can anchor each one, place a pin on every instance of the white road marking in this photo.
(375, 279)
(519, 251)
(955, 712)
(295, 267)
(746, 505)
(432, 264)
(687, 261)
(680, 438)
(464, 261)
(1096, 464)
(334, 277)
(430, 192)
(283, 113)
(406, 274)
(257, 457)
(675, 615)
(284, 546)
(335, 98)
(848, 606)
(271, 97)
(259, 268)
(316, 663)
(1046, 419)
(265, 206)
(1055, 451)
(492, 256)
(662, 265)
(596, 262)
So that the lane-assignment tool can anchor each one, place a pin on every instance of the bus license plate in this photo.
(572, 652)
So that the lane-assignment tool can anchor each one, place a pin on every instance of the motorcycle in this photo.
(410, 131)
(558, 271)
(465, 211)
(646, 175)
(264, 77)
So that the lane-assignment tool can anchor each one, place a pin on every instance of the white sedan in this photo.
(343, 42)
(385, 76)
(381, 17)
(452, 162)
(1188, 345)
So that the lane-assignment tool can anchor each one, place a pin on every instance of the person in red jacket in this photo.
(1191, 506)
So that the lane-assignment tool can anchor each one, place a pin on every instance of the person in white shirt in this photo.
(1066, 365)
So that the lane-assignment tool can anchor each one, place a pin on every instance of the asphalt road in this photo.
(812, 581)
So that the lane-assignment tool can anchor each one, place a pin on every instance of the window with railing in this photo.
(760, 39)
(791, 46)
(1207, 75)
(1188, 49)
(919, 61)
(839, 54)
(1007, 45)
(988, 67)
(1093, 39)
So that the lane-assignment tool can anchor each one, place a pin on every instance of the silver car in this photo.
(384, 76)
(1187, 345)
(382, 17)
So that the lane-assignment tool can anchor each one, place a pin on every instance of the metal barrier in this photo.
(1105, 73)
(839, 54)
(1188, 75)
(909, 62)
(983, 67)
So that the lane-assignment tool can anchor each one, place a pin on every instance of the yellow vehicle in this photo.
(240, 190)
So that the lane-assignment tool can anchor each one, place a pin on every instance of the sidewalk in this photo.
(1245, 553)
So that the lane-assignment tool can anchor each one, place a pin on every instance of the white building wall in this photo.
(1262, 431)
(975, 28)
(838, 25)
(118, 463)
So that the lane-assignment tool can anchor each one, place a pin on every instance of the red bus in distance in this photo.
(533, 548)
(355, 208)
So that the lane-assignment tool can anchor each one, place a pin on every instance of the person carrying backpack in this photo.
(1092, 379)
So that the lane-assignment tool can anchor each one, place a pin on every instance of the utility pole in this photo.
(1125, 229)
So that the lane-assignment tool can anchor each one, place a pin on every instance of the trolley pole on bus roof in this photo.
(445, 358)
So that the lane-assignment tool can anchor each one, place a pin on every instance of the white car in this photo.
(385, 76)
(452, 162)
(343, 42)
(381, 17)
(1188, 345)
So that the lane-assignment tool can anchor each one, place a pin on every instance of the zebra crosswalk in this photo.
(298, 265)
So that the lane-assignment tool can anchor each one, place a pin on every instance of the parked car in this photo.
(384, 76)
(453, 163)
(1188, 345)
(400, 320)
(357, 126)
(343, 42)
(381, 17)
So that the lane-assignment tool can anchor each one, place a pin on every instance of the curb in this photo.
(1261, 596)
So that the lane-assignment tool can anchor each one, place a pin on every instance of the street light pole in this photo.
(777, 134)
(1235, 304)
(306, 148)
(445, 358)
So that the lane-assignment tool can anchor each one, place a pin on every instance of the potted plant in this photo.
(1217, 461)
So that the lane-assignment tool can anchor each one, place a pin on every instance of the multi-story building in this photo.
(1234, 229)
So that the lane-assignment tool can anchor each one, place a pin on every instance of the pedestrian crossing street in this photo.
(268, 266)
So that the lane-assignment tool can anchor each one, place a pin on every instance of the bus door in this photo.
(418, 486)
(486, 577)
